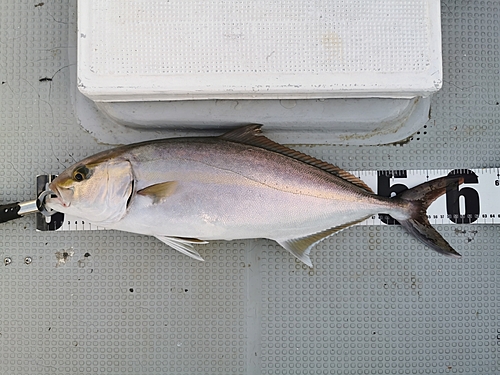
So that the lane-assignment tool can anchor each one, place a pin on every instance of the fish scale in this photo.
(484, 209)
(239, 185)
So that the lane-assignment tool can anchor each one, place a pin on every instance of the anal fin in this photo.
(301, 247)
(183, 245)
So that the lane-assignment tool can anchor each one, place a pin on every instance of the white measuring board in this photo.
(152, 50)
(474, 202)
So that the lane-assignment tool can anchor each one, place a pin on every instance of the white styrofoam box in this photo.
(145, 50)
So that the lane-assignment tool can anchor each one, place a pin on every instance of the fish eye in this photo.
(80, 174)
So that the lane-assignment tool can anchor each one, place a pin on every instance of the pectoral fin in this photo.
(183, 245)
(301, 247)
(159, 192)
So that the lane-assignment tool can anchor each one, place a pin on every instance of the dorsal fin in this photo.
(252, 135)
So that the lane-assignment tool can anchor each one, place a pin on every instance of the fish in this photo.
(238, 185)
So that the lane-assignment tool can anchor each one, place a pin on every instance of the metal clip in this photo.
(40, 203)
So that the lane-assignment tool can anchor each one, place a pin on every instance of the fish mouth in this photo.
(58, 199)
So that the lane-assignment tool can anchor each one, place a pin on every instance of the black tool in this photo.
(17, 210)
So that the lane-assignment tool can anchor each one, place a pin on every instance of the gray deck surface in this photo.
(377, 302)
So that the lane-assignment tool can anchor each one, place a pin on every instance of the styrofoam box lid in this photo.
(145, 50)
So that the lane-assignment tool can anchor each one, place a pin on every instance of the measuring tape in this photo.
(476, 201)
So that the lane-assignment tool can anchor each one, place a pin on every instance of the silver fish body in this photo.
(237, 186)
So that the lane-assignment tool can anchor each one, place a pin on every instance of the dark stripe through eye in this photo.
(81, 173)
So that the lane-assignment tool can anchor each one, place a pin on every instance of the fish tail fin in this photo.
(420, 198)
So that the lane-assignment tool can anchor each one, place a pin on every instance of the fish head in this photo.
(96, 190)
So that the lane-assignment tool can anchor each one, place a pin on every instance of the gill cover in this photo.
(98, 192)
